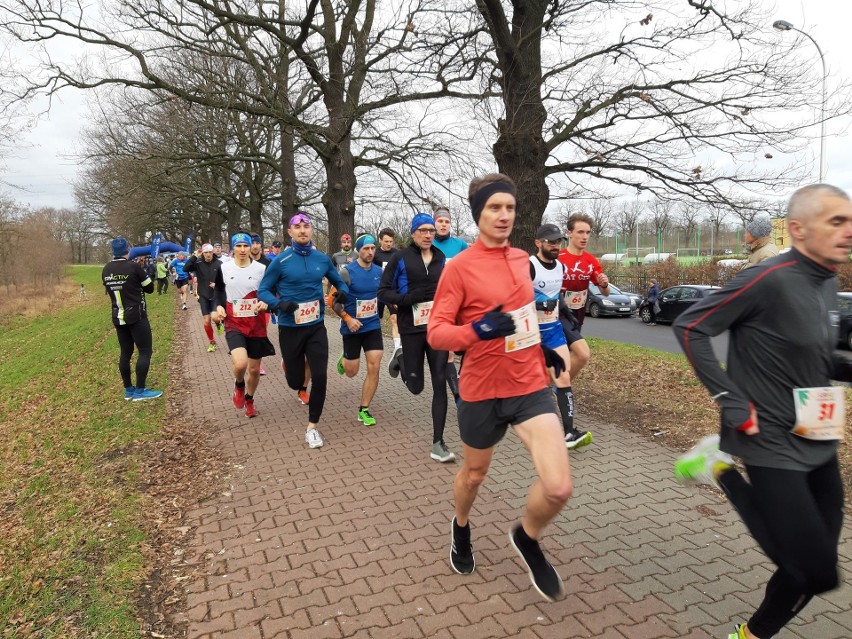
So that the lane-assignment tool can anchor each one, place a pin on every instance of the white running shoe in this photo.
(313, 438)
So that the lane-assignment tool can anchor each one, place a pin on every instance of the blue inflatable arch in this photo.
(165, 247)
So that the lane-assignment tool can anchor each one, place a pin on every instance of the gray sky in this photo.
(44, 167)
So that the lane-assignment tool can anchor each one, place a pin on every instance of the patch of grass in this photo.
(72, 535)
(657, 394)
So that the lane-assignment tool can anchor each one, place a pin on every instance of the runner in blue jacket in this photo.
(292, 287)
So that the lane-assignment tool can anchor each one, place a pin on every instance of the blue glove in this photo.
(494, 324)
(553, 360)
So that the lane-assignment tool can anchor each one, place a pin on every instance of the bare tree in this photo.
(623, 92)
(661, 217)
(347, 66)
(626, 218)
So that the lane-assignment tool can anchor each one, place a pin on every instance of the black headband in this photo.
(478, 200)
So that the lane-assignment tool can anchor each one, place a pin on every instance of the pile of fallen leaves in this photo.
(178, 471)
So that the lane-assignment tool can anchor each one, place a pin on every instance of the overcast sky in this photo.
(44, 168)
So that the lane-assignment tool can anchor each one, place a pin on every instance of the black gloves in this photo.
(340, 297)
(494, 324)
(286, 306)
(546, 305)
(553, 360)
(568, 314)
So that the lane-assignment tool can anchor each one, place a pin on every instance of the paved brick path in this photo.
(352, 540)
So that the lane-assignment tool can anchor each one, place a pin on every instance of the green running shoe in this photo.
(738, 633)
(340, 369)
(703, 462)
(212, 347)
(220, 328)
(365, 417)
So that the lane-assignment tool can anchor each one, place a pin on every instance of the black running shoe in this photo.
(393, 366)
(543, 576)
(461, 551)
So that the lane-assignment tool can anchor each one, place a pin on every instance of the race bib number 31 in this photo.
(526, 329)
(307, 312)
(820, 413)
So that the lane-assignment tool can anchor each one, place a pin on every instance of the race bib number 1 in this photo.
(244, 308)
(307, 312)
(820, 413)
(365, 308)
(421, 313)
(526, 329)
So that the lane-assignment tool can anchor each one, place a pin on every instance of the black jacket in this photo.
(783, 322)
(205, 273)
(406, 281)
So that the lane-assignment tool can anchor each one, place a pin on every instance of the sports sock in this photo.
(565, 401)
(249, 397)
(241, 384)
(209, 331)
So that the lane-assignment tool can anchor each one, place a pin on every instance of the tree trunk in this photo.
(520, 150)
(339, 196)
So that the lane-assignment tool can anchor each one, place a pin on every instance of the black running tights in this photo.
(796, 518)
(311, 342)
(136, 335)
(414, 350)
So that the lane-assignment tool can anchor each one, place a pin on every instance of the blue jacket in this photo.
(291, 277)
(363, 285)
(450, 246)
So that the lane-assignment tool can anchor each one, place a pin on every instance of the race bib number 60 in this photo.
(576, 299)
(820, 413)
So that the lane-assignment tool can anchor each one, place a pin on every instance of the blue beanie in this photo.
(240, 238)
(420, 219)
(120, 247)
(364, 239)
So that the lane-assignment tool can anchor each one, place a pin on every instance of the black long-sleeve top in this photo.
(783, 322)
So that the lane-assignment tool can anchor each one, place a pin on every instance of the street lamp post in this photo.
(783, 25)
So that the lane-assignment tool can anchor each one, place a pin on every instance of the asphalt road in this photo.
(632, 331)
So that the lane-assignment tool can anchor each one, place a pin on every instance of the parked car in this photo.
(844, 304)
(675, 300)
(616, 304)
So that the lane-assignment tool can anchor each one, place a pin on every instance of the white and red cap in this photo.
(206, 248)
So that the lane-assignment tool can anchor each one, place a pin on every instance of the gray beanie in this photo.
(760, 227)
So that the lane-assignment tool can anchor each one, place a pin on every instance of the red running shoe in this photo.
(251, 411)
(239, 397)
(304, 397)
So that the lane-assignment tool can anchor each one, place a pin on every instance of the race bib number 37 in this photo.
(421, 313)
(820, 413)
